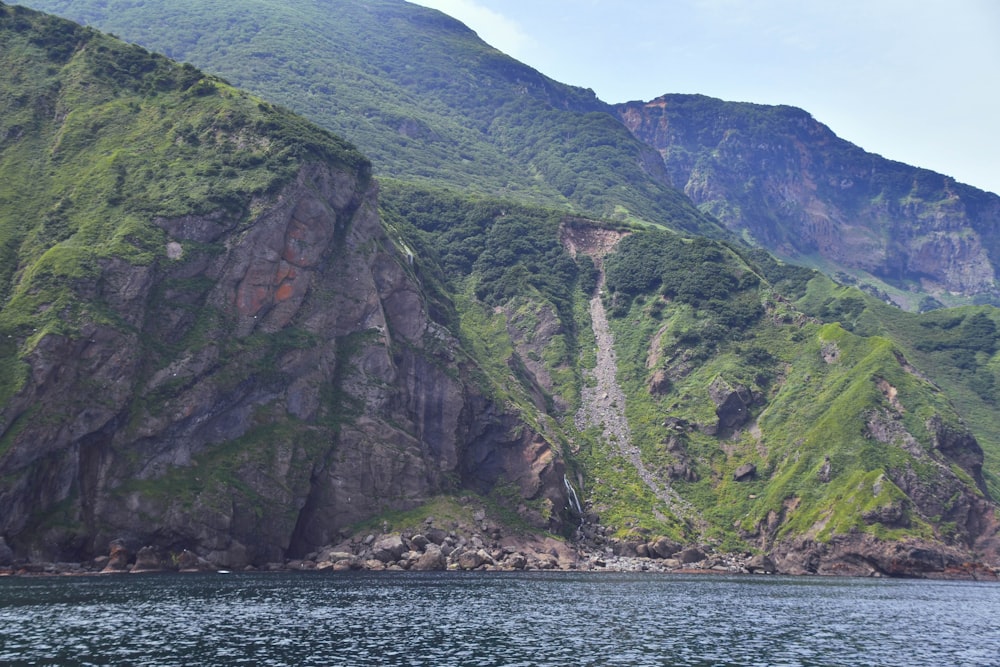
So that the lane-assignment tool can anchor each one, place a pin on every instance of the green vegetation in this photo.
(697, 313)
(109, 139)
(727, 356)
(954, 348)
(439, 108)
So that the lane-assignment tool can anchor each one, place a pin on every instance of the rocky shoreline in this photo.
(488, 547)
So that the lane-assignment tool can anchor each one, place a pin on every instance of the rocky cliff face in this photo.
(307, 389)
(784, 180)
(209, 340)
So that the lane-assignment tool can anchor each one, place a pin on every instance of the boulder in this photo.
(334, 556)
(388, 549)
(436, 535)
(147, 560)
(663, 547)
(732, 403)
(118, 557)
(745, 472)
(431, 559)
(682, 471)
(624, 549)
(690, 555)
(188, 561)
(470, 560)
(761, 563)
(516, 561)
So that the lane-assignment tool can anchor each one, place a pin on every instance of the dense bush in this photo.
(698, 272)
(509, 248)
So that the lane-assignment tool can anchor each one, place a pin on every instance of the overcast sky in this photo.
(913, 80)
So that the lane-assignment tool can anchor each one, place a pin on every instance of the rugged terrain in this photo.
(224, 343)
(786, 182)
(429, 102)
(246, 378)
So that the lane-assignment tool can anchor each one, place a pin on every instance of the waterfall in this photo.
(574, 502)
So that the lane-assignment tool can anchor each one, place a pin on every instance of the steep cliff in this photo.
(210, 342)
(787, 183)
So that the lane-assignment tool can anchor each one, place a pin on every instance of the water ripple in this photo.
(489, 620)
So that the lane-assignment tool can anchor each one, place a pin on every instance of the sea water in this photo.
(495, 619)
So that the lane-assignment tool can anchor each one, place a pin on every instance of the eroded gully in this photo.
(603, 405)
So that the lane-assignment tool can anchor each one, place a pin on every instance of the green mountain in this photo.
(220, 334)
(417, 92)
(428, 101)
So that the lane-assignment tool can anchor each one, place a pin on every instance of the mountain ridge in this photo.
(427, 116)
(815, 194)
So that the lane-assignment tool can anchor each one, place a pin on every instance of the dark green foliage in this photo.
(510, 248)
(521, 251)
(979, 333)
(789, 279)
(588, 273)
(697, 272)
(844, 310)
(976, 333)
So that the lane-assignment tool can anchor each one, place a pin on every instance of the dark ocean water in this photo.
(495, 619)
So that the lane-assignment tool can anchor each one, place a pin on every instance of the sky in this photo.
(916, 81)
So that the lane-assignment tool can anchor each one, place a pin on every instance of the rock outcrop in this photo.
(276, 382)
(784, 179)
(732, 403)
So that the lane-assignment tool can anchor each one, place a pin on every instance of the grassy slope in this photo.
(816, 386)
(943, 344)
(418, 92)
(100, 138)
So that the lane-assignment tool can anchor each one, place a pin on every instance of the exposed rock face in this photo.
(272, 382)
(6, 554)
(864, 555)
(959, 446)
(147, 560)
(797, 189)
(531, 329)
(732, 403)
(118, 557)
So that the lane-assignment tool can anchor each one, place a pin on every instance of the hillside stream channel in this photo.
(603, 405)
